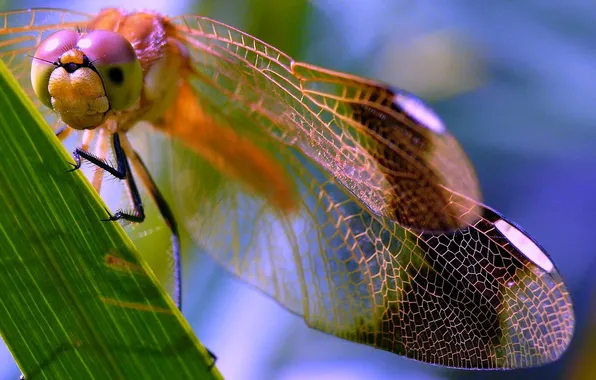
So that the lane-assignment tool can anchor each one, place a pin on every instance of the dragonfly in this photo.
(346, 200)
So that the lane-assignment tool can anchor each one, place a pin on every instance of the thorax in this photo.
(161, 56)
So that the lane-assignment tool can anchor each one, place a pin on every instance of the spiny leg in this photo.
(88, 136)
(168, 216)
(101, 149)
(123, 171)
(166, 212)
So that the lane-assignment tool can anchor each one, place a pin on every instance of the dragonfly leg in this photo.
(100, 152)
(168, 215)
(121, 171)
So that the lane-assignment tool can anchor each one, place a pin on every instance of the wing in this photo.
(355, 129)
(388, 245)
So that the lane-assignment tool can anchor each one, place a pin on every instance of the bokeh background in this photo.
(514, 81)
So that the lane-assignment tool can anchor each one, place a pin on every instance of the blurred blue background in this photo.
(515, 82)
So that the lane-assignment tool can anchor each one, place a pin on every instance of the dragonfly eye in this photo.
(115, 60)
(83, 77)
(45, 60)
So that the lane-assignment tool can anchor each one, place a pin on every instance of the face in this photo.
(85, 77)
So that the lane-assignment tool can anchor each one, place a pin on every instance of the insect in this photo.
(346, 200)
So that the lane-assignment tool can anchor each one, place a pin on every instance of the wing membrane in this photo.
(388, 245)
(452, 290)
(349, 126)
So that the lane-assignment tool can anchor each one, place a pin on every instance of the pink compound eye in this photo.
(47, 54)
(116, 61)
(56, 44)
(108, 53)
(105, 47)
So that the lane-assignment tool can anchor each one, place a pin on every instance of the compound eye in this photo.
(46, 55)
(117, 63)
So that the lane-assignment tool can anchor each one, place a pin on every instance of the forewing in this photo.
(361, 258)
(355, 129)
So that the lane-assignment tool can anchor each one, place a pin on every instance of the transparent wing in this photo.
(389, 246)
(355, 129)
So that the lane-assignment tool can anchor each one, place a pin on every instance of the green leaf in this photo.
(76, 299)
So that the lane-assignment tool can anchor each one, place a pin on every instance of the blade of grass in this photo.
(76, 299)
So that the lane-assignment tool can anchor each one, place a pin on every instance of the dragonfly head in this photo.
(83, 77)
